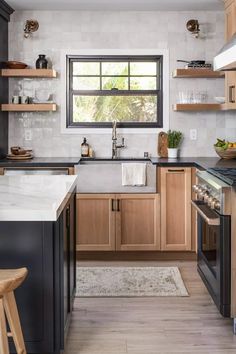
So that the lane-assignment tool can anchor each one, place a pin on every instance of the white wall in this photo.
(66, 31)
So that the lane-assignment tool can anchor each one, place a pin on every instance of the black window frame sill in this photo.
(108, 125)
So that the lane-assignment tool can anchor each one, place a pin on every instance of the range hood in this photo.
(225, 60)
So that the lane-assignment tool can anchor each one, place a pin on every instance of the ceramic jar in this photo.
(41, 62)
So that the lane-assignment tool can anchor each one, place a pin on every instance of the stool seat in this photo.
(10, 279)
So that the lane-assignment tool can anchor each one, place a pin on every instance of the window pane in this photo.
(143, 83)
(120, 83)
(145, 68)
(114, 68)
(86, 83)
(86, 68)
(107, 108)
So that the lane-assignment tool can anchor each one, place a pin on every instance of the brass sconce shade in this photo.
(30, 27)
(193, 27)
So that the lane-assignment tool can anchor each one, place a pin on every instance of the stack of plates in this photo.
(27, 156)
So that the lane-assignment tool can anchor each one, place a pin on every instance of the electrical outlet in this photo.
(28, 135)
(193, 134)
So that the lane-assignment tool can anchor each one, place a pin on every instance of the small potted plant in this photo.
(174, 141)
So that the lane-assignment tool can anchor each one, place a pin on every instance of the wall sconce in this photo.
(193, 27)
(30, 27)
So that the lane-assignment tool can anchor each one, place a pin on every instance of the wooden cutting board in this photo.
(162, 144)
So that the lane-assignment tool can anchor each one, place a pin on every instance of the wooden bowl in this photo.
(230, 153)
(17, 150)
(16, 65)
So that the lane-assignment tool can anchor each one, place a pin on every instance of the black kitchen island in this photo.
(37, 231)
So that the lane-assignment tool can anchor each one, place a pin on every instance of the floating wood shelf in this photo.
(39, 107)
(198, 73)
(40, 73)
(195, 107)
(228, 107)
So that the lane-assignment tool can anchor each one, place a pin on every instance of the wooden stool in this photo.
(10, 279)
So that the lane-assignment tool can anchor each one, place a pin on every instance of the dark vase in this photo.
(41, 62)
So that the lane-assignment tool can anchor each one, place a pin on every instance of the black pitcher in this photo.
(41, 62)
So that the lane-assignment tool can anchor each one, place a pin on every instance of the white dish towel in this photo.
(134, 174)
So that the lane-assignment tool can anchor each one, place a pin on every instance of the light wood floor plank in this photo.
(151, 325)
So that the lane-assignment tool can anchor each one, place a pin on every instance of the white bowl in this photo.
(220, 99)
(42, 95)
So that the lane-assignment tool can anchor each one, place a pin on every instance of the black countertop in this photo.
(201, 162)
(41, 162)
(206, 163)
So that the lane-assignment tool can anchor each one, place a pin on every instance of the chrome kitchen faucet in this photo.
(115, 147)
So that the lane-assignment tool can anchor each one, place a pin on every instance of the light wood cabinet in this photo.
(230, 90)
(230, 18)
(230, 76)
(138, 222)
(95, 222)
(107, 222)
(175, 209)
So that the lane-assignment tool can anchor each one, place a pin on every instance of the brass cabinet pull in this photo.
(232, 94)
(174, 171)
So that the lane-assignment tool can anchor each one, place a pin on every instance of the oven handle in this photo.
(212, 221)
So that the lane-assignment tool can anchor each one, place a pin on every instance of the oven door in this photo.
(214, 263)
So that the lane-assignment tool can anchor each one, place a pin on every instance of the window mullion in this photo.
(115, 92)
(100, 67)
(129, 75)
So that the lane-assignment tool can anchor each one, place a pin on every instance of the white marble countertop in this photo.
(34, 198)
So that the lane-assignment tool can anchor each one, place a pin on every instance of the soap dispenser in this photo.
(84, 148)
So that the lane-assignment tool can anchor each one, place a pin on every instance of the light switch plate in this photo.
(193, 134)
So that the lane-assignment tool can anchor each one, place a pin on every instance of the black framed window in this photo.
(102, 89)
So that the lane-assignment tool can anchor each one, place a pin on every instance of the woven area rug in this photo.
(129, 282)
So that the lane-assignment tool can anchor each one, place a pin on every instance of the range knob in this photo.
(206, 196)
(196, 188)
(210, 200)
(215, 204)
(201, 194)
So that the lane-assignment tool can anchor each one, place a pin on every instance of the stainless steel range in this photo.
(213, 207)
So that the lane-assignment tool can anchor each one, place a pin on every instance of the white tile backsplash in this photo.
(61, 31)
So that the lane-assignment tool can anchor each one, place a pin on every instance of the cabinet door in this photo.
(230, 77)
(69, 259)
(66, 265)
(230, 89)
(95, 222)
(72, 250)
(230, 19)
(175, 209)
(137, 222)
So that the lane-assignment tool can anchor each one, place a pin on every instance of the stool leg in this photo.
(14, 322)
(4, 347)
